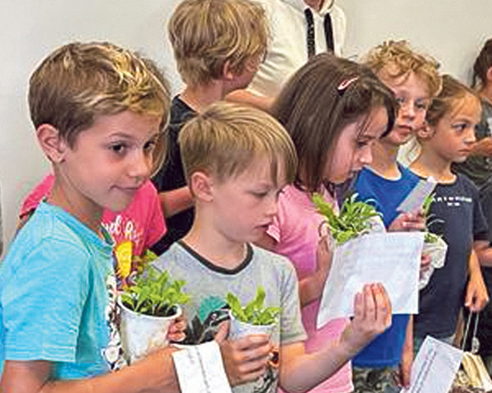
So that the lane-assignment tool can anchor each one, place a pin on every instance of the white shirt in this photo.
(287, 50)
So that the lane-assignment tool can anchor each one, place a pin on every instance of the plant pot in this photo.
(437, 251)
(143, 334)
(238, 329)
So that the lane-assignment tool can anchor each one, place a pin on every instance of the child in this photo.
(456, 214)
(218, 46)
(237, 160)
(414, 80)
(334, 110)
(478, 166)
(98, 112)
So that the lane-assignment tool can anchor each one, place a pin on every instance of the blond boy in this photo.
(218, 46)
(98, 112)
(237, 161)
(414, 80)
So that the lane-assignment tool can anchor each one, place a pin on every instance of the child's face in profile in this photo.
(110, 161)
(453, 137)
(245, 205)
(353, 149)
(412, 94)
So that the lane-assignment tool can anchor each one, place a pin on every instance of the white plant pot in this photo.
(437, 252)
(238, 329)
(143, 334)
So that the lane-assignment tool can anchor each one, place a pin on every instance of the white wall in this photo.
(451, 30)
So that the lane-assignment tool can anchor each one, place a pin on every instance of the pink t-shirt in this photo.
(134, 229)
(296, 232)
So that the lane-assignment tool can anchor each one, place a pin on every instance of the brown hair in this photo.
(395, 59)
(225, 139)
(320, 99)
(482, 64)
(78, 82)
(451, 94)
(207, 34)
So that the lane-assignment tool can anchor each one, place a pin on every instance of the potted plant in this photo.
(356, 218)
(253, 318)
(147, 310)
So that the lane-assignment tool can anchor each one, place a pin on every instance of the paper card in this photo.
(417, 196)
(392, 259)
(434, 367)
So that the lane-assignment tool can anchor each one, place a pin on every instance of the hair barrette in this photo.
(345, 84)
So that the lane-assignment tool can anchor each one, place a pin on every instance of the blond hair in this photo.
(395, 59)
(227, 138)
(79, 82)
(207, 34)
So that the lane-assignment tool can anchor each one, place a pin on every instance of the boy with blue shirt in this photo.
(414, 80)
(237, 160)
(98, 112)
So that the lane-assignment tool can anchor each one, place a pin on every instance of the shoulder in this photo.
(467, 184)
(279, 264)
(180, 112)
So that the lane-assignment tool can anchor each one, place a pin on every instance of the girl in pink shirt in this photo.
(334, 110)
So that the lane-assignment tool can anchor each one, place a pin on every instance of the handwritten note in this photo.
(392, 259)
(434, 367)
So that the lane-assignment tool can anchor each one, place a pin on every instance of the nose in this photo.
(272, 209)
(365, 157)
(140, 165)
(407, 109)
(470, 137)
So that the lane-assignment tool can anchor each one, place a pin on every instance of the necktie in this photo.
(311, 46)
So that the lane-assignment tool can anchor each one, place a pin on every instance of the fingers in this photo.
(177, 330)
(222, 332)
(414, 221)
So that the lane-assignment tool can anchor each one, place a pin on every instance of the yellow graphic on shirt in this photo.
(123, 254)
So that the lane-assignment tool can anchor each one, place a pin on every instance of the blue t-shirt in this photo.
(456, 214)
(386, 195)
(54, 296)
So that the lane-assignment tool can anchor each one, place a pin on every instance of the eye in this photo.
(460, 127)
(259, 194)
(421, 105)
(150, 146)
(400, 100)
(118, 148)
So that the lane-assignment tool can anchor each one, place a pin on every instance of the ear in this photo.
(52, 144)
(201, 185)
(227, 74)
(426, 131)
(489, 75)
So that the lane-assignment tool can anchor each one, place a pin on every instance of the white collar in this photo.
(301, 6)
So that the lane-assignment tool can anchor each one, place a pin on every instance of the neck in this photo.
(384, 161)
(486, 92)
(200, 97)
(430, 164)
(317, 4)
(86, 211)
(213, 246)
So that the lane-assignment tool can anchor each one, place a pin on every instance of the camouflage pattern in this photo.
(375, 380)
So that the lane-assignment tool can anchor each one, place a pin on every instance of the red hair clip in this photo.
(345, 84)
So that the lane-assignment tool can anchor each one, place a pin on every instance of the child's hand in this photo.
(414, 221)
(323, 258)
(245, 359)
(177, 329)
(476, 293)
(425, 263)
(372, 316)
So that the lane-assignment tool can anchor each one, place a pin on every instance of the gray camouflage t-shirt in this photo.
(208, 285)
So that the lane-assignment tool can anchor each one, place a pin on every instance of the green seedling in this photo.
(155, 294)
(354, 218)
(430, 237)
(253, 313)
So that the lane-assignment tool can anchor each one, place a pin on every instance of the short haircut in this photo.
(482, 64)
(207, 34)
(451, 95)
(225, 139)
(322, 97)
(395, 59)
(79, 82)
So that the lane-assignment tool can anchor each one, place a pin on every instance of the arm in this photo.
(484, 252)
(476, 291)
(300, 372)
(175, 201)
(153, 374)
(407, 355)
(249, 98)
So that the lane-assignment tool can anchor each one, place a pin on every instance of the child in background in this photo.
(455, 213)
(218, 46)
(334, 110)
(478, 166)
(135, 229)
(414, 80)
(237, 161)
(98, 112)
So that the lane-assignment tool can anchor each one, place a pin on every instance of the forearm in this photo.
(176, 201)
(474, 265)
(249, 98)
(154, 374)
(408, 344)
(311, 287)
(305, 371)
(484, 253)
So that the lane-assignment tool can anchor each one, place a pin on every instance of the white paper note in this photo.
(417, 196)
(434, 367)
(392, 259)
